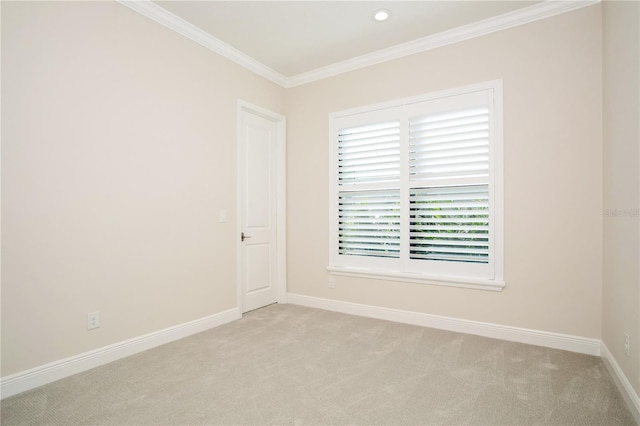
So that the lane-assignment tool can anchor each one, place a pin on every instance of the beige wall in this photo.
(553, 174)
(621, 292)
(118, 151)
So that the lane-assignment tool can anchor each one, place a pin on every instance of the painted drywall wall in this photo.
(621, 97)
(118, 152)
(552, 77)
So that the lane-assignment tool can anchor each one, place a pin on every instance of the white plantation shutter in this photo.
(450, 224)
(369, 223)
(369, 154)
(414, 189)
(369, 218)
(452, 144)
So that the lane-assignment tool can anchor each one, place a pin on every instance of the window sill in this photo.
(448, 281)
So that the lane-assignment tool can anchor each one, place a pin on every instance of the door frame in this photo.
(280, 195)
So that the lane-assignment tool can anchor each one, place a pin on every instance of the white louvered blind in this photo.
(414, 188)
(369, 218)
(448, 222)
(369, 223)
(452, 144)
(369, 154)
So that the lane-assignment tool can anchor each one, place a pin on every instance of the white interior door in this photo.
(258, 210)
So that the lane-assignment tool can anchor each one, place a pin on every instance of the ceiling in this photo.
(296, 37)
(297, 42)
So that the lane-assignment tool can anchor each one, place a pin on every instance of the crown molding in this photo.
(523, 16)
(164, 17)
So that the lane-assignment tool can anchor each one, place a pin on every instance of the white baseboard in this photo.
(566, 342)
(627, 391)
(30, 379)
(522, 335)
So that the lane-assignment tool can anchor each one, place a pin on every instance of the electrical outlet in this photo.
(627, 344)
(93, 320)
(332, 282)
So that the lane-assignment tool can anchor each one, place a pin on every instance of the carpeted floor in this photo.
(286, 364)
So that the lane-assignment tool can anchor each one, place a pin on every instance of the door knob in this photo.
(242, 236)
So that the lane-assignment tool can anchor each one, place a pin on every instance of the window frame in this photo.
(455, 274)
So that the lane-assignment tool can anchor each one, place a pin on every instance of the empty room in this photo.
(320, 212)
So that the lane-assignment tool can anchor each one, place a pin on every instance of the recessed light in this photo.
(381, 15)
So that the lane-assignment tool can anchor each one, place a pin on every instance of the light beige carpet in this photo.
(286, 364)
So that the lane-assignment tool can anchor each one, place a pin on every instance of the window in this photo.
(417, 189)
